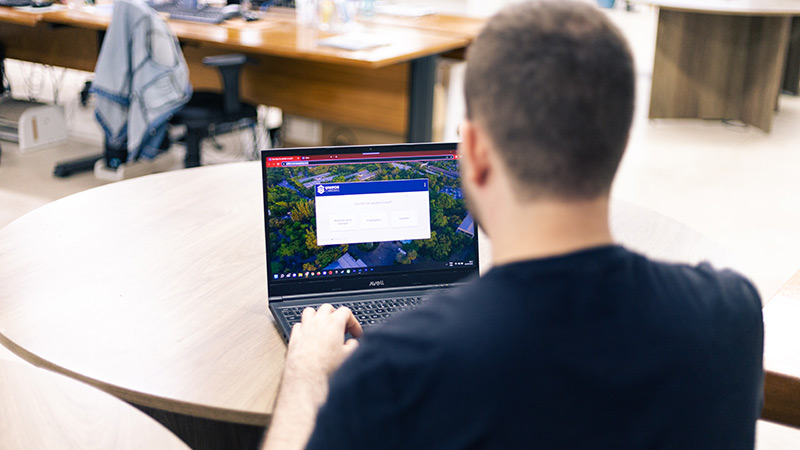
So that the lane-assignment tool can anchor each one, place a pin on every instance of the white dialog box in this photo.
(372, 211)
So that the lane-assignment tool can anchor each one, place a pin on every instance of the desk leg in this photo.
(208, 434)
(791, 77)
(420, 108)
(711, 66)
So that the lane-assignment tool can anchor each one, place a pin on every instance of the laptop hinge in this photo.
(387, 291)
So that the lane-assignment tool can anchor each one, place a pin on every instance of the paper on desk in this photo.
(41, 9)
(103, 10)
(405, 10)
(355, 41)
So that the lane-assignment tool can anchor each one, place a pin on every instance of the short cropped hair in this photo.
(552, 82)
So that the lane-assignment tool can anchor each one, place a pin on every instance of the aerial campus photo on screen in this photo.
(377, 215)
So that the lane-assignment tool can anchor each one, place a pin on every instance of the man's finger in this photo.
(327, 308)
(350, 346)
(308, 313)
(351, 324)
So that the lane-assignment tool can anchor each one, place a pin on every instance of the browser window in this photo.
(372, 211)
(343, 214)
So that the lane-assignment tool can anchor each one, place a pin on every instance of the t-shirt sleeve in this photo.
(743, 315)
(360, 405)
(347, 419)
(372, 393)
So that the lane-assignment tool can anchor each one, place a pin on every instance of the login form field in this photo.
(372, 211)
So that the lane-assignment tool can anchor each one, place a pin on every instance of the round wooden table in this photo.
(42, 410)
(154, 289)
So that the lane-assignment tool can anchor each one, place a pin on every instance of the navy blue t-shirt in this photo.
(598, 349)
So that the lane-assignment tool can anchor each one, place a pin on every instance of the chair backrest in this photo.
(230, 67)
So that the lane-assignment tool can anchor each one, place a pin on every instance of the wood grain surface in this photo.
(372, 98)
(277, 34)
(41, 43)
(718, 66)
(41, 410)
(154, 289)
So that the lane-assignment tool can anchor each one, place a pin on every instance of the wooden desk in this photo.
(42, 410)
(388, 89)
(782, 354)
(720, 59)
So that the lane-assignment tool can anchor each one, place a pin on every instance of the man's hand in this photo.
(316, 349)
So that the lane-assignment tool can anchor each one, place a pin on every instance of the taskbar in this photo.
(367, 270)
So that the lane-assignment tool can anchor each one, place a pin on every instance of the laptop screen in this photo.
(350, 218)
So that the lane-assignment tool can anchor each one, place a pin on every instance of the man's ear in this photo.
(474, 150)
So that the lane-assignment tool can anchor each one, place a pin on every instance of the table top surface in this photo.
(734, 7)
(45, 410)
(154, 289)
(12, 15)
(277, 34)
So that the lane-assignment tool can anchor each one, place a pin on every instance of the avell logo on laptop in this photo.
(374, 228)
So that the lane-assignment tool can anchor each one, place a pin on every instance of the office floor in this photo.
(735, 184)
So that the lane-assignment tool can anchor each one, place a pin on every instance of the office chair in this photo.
(206, 114)
(210, 113)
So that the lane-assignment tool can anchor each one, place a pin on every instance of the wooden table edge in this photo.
(139, 398)
(19, 18)
(292, 54)
(66, 18)
(779, 405)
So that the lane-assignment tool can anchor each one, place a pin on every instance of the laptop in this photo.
(377, 228)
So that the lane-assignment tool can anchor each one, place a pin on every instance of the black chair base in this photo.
(75, 166)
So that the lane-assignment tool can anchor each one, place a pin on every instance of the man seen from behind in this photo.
(569, 341)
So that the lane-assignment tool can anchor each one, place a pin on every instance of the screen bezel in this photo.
(359, 282)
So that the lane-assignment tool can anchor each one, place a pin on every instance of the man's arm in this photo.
(316, 350)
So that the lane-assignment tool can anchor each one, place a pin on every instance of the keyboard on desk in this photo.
(204, 15)
(368, 312)
(14, 3)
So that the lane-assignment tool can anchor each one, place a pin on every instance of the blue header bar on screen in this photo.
(371, 187)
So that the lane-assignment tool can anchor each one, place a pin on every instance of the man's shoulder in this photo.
(703, 282)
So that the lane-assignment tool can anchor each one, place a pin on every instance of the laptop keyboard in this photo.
(204, 15)
(208, 15)
(369, 313)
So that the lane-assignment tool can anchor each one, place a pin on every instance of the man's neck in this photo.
(548, 228)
